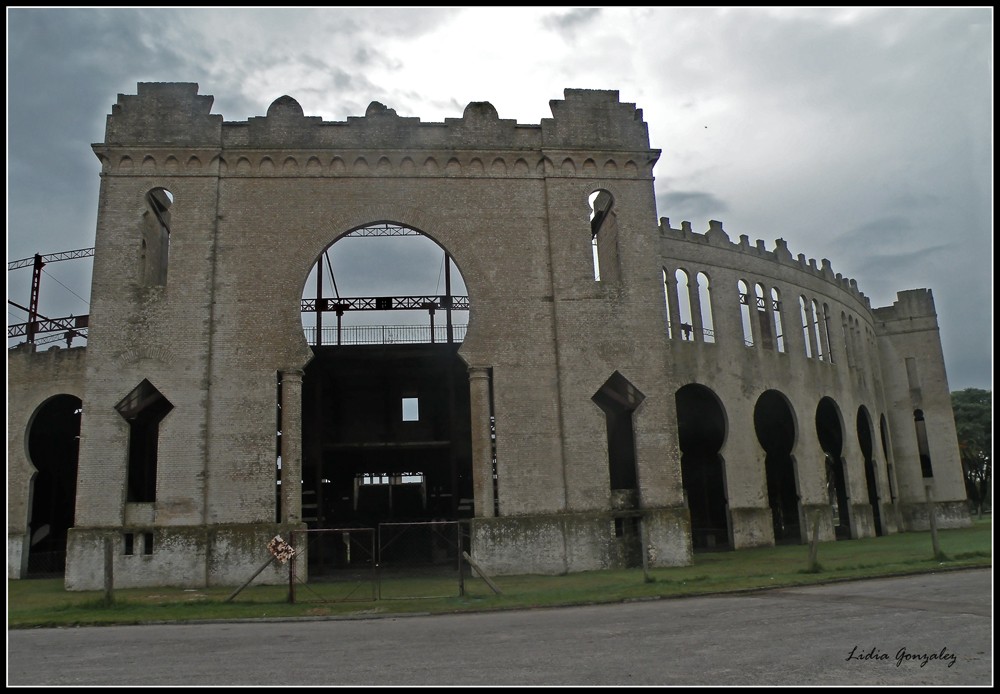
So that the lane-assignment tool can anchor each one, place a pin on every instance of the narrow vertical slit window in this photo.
(155, 238)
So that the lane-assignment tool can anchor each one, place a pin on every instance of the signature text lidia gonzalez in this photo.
(902, 656)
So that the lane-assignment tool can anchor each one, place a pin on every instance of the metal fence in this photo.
(46, 564)
(393, 562)
(420, 560)
(342, 565)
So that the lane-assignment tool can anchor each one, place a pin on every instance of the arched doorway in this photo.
(701, 429)
(864, 425)
(386, 423)
(831, 439)
(53, 448)
(775, 427)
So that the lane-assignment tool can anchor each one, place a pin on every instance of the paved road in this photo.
(934, 629)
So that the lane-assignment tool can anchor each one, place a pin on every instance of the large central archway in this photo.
(385, 410)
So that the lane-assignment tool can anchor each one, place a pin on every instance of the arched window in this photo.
(744, 291)
(604, 237)
(684, 304)
(705, 304)
(808, 336)
(818, 333)
(779, 333)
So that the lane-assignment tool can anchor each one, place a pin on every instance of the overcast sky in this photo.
(860, 135)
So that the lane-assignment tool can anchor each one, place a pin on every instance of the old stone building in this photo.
(621, 386)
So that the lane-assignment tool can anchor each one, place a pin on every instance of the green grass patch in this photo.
(44, 602)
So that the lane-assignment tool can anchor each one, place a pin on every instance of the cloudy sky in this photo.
(860, 135)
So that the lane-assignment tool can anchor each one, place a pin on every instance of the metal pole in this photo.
(461, 577)
(249, 580)
(932, 516)
(447, 293)
(36, 279)
(109, 568)
(319, 303)
(291, 568)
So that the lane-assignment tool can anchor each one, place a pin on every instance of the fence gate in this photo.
(340, 565)
(420, 560)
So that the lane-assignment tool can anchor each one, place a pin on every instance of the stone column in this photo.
(694, 292)
(291, 446)
(673, 309)
(482, 448)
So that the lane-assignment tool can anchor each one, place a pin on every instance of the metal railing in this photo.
(385, 334)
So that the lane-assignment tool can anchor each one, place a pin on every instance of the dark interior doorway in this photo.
(831, 440)
(386, 434)
(53, 448)
(701, 428)
(867, 451)
(775, 427)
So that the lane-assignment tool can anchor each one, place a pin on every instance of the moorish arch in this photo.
(866, 441)
(830, 431)
(701, 430)
(774, 422)
(53, 445)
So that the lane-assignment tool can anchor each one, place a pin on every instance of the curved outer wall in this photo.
(256, 202)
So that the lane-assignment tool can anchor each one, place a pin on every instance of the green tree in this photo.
(973, 409)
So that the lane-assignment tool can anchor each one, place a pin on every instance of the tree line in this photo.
(973, 409)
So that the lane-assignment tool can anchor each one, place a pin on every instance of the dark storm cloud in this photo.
(687, 205)
(860, 135)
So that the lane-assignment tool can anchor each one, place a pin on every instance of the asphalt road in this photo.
(933, 629)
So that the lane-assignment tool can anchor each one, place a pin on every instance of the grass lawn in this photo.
(44, 602)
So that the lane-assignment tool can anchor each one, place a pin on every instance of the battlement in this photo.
(174, 113)
(909, 304)
(718, 238)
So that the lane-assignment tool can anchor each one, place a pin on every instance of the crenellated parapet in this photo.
(167, 129)
(716, 237)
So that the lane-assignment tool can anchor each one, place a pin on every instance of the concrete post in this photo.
(291, 446)
(482, 442)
